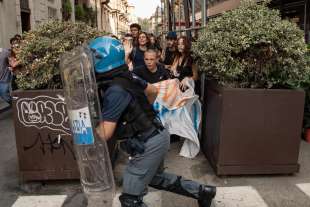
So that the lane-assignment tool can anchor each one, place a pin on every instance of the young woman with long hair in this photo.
(184, 67)
(136, 54)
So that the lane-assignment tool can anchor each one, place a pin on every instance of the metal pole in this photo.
(168, 9)
(96, 10)
(307, 21)
(180, 19)
(73, 11)
(190, 29)
(206, 12)
(203, 13)
(193, 13)
(162, 17)
(187, 20)
(156, 21)
(173, 14)
(164, 13)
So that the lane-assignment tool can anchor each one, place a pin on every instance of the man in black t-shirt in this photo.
(152, 72)
(170, 51)
(135, 29)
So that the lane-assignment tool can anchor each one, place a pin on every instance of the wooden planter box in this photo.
(307, 111)
(252, 131)
(43, 138)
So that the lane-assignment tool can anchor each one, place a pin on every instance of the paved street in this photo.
(233, 191)
(3, 105)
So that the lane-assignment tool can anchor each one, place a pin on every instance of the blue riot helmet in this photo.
(108, 53)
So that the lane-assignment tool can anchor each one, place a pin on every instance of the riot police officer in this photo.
(128, 114)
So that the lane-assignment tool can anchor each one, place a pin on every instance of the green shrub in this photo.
(90, 16)
(85, 14)
(252, 47)
(42, 48)
(67, 10)
(79, 13)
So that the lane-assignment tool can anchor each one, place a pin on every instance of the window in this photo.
(24, 5)
(52, 13)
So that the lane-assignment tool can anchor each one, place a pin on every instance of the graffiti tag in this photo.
(51, 144)
(43, 112)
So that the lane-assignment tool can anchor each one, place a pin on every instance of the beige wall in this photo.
(10, 23)
(73, 11)
(43, 10)
(99, 15)
(105, 18)
(97, 6)
(113, 22)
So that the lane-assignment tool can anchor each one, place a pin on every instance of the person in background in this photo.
(127, 37)
(18, 37)
(183, 66)
(5, 74)
(169, 53)
(152, 39)
(127, 42)
(13, 62)
(136, 54)
(152, 72)
(154, 44)
(135, 30)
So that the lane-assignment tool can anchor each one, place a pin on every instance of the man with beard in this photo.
(170, 51)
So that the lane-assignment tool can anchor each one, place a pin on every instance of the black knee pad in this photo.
(175, 187)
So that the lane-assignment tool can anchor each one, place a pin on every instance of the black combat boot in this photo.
(206, 194)
(131, 201)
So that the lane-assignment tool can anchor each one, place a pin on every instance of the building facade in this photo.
(44, 10)
(132, 18)
(10, 21)
(112, 16)
(17, 16)
(156, 21)
(297, 11)
(115, 16)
